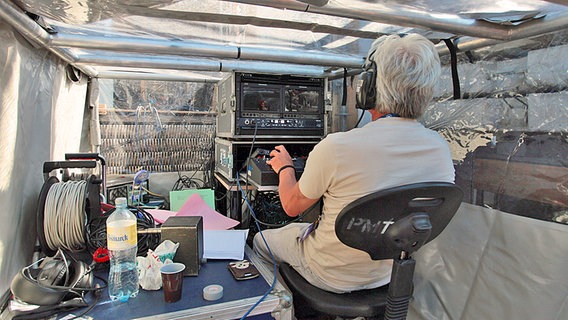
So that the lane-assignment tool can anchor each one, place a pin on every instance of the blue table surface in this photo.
(149, 303)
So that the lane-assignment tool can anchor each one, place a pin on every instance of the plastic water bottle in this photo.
(122, 246)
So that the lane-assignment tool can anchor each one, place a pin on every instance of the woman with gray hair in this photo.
(393, 150)
(407, 71)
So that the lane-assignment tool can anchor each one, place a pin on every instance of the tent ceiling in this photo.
(311, 37)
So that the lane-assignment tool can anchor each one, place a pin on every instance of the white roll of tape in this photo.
(213, 292)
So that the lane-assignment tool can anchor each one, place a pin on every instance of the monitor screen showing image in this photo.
(260, 98)
(302, 100)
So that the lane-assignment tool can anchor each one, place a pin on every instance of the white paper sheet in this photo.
(224, 244)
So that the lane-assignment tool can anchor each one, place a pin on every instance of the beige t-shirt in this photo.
(348, 165)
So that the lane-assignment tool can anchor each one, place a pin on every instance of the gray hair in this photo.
(407, 71)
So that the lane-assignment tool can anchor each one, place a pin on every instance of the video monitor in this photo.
(260, 98)
(302, 99)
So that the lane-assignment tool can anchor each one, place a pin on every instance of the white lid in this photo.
(120, 201)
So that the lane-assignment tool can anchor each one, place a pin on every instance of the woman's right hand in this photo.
(279, 158)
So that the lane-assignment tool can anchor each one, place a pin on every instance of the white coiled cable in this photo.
(65, 217)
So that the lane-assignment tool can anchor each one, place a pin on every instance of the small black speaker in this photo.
(188, 232)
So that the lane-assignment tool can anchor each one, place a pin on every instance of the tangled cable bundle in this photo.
(97, 232)
(65, 217)
(269, 209)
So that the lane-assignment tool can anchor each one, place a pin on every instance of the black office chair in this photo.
(418, 213)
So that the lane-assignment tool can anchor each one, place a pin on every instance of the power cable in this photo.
(274, 270)
(360, 118)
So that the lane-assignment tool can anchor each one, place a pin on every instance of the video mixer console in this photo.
(262, 174)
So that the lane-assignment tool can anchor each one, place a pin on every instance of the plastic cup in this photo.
(172, 281)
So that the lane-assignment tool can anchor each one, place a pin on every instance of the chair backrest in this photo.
(403, 218)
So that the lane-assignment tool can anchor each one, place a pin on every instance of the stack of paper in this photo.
(224, 244)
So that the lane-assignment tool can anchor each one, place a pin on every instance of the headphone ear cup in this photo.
(26, 288)
(367, 95)
(53, 272)
(52, 282)
(79, 276)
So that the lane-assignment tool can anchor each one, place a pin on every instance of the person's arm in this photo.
(292, 200)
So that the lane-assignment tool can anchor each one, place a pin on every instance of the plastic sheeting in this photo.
(502, 256)
(158, 126)
(509, 139)
(488, 264)
(249, 34)
(41, 114)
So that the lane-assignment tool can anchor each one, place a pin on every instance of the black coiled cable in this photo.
(97, 238)
(148, 240)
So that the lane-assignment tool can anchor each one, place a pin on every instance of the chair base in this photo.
(311, 302)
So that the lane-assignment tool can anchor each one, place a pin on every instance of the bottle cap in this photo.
(120, 201)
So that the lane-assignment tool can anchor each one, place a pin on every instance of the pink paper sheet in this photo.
(195, 206)
(161, 215)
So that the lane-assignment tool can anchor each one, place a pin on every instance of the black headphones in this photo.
(367, 95)
(54, 279)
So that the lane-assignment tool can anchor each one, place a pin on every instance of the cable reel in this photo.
(65, 207)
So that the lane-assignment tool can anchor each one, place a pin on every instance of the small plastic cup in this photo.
(172, 281)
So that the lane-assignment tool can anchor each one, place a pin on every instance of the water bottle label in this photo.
(121, 235)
